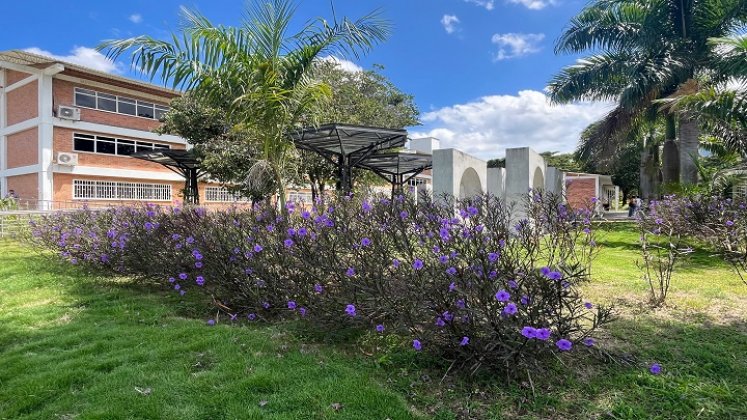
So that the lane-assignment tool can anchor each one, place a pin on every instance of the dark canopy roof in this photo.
(182, 159)
(184, 162)
(348, 140)
(398, 167)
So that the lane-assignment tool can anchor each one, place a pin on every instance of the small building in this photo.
(581, 187)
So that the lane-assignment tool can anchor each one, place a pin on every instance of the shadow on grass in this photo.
(113, 348)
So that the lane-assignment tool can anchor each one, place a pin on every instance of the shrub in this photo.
(478, 285)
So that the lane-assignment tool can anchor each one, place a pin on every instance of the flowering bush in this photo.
(715, 222)
(475, 285)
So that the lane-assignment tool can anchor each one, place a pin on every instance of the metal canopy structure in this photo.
(184, 163)
(348, 146)
(398, 167)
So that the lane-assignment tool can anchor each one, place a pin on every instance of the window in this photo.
(112, 146)
(112, 103)
(300, 197)
(221, 194)
(115, 190)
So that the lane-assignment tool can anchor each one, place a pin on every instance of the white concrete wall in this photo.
(554, 181)
(449, 167)
(522, 164)
(497, 182)
(425, 145)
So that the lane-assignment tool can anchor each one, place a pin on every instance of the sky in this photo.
(476, 68)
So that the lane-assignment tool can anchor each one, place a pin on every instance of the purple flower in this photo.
(172, 280)
(417, 345)
(318, 288)
(443, 259)
(525, 300)
(366, 206)
(493, 256)
(728, 223)
(588, 342)
(448, 316)
(440, 322)
(177, 286)
(190, 240)
(198, 264)
(200, 281)
(251, 317)
(350, 310)
(270, 228)
(302, 231)
(529, 332)
(543, 334)
(417, 264)
(451, 271)
(588, 305)
(460, 304)
(380, 328)
(350, 272)
(182, 293)
(291, 304)
(655, 369)
(258, 248)
(502, 296)
(513, 284)
(464, 342)
(305, 214)
(288, 243)
(404, 214)
(266, 305)
(555, 275)
(563, 344)
(291, 232)
(395, 263)
(452, 286)
(545, 271)
(302, 311)
(510, 309)
(365, 242)
(211, 322)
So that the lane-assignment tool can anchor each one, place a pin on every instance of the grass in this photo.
(77, 346)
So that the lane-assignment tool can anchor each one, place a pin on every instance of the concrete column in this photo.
(3, 138)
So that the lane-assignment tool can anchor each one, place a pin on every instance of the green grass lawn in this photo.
(79, 346)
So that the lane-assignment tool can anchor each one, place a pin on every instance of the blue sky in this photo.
(476, 67)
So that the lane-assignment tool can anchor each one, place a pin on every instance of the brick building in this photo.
(67, 133)
(580, 188)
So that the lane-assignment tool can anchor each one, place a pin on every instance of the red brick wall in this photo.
(26, 186)
(12, 76)
(63, 142)
(23, 149)
(579, 192)
(22, 103)
(63, 92)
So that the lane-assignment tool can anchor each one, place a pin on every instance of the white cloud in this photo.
(84, 56)
(450, 23)
(135, 18)
(343, 64)
(513, 45)
(487, 126)
(534, 4)
(487, 4)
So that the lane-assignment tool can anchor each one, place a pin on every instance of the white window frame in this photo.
(101, 190)
(137, 144)
(131, 101)
(222, 195)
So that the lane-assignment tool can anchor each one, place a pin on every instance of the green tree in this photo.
(259, 72)
(647, 50)
(358, 98)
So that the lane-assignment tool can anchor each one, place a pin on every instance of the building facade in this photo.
(67, 133)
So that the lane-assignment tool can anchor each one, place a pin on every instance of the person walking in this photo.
(631, 206)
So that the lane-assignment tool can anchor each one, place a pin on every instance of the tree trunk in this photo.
(688, 155)
(670, 160)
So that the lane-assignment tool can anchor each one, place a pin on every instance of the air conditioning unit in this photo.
(68, 113)
(67, 159)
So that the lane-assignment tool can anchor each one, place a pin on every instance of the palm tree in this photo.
(260, 72)
(722, 109)
(647, 50)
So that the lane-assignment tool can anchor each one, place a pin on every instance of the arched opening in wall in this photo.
(538, 181)
(470, 185)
